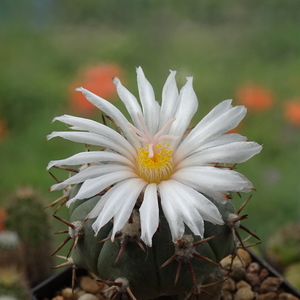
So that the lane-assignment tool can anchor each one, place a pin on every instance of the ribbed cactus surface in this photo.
(166, 268)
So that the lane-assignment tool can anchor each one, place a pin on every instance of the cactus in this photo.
(13, 284)
(27, 217)
(151, 212)
(11, 250)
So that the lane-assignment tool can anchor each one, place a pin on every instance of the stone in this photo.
(226, 295)
(244, 293)
(242, 284)
(270, 284)
(68, 294)
(229, 285)
(88, 296)
(287, 296)
(89, 285)
(264, 273)
(267, 296)
(254, 267)
(253, 279)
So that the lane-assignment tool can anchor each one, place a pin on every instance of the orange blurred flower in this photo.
(292, 112)
(98, 80)
(255, 97)
(3, 130)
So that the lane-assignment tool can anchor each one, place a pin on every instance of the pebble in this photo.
(254, 267)
(264, 273)
(287, 296)
(243, 284)
(270, 284)
(244, 293)
(68, 294)
(89, 285)
(253, 279)
(226, 295)
(229, 285)
(88, 296)
(267, 296)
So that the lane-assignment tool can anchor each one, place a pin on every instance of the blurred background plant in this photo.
(245, 50)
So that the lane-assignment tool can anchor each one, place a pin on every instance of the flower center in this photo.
(154, 160)
(157, 168)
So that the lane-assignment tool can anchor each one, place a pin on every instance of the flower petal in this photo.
(89, 173)
(94, 186)
(229, 153)
(114, 200)
(122, 214)
(149, 214)
(182, 206)
(91, 157)
(208, 211)
(150, 106)
(206, 179)
(96, 140)
(173, 217)
(95, 127)
(170, 100)
(111, 111)
(203, 134)
(186, 109)
(131, 103)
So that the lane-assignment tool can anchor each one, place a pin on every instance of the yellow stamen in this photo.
(157, 168)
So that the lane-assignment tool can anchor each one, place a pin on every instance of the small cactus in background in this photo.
(13, 284)
(151, 213)
(27, 217)
(11, 250)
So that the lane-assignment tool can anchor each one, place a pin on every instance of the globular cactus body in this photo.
(143, 270)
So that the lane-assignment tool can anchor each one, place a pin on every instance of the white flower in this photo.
(153, 158)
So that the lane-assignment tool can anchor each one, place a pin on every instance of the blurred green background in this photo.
(225, 45)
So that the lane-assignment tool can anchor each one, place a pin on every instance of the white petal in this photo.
(91, 157)
(122, 214)
(96, 140)
(215, 113)
(94, 186)
(170, 99)
(224, 139)
(208, 211)
(95, 127)
(211, 178)
(227, 138)
(114, 192)
(89, 173)
(230, 153)
(150, 106)
(185, 111)
(111, 111)
(174, 219)
(222, 124)
(131, 103)
(115, 199)
(182, 205)
(149, 214)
